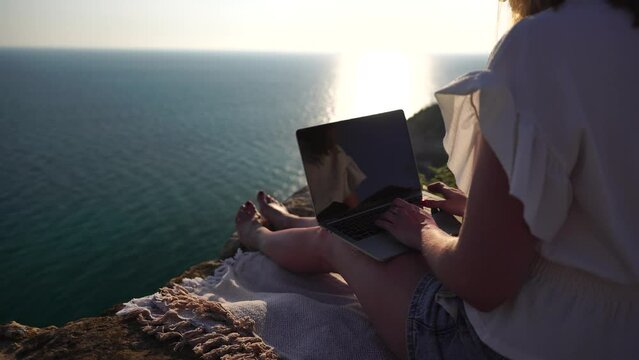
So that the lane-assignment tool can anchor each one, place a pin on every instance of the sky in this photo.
(336, 26)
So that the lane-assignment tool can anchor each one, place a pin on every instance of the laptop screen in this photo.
(358, 164)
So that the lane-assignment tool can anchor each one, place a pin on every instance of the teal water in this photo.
(120, 169)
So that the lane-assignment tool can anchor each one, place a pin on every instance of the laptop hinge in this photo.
(411, 199)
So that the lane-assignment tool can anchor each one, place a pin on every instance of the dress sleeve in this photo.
(480, 103)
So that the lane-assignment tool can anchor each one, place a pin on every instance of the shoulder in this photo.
(522, 39)
(579, 25)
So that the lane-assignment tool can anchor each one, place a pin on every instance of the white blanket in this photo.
(301, 316)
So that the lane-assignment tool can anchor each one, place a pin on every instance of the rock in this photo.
(202, 269)
(104, 337)
(426, 130)
(13, 331)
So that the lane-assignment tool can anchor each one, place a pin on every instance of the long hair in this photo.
(316, 144)
(523, 8)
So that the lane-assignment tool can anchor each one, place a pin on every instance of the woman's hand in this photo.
(455, 199)
(408, 223)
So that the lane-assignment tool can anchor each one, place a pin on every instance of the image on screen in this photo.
(358, 164)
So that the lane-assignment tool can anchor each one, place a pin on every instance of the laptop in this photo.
(355, 168)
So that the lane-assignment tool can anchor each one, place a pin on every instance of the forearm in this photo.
(438, 249)
(476, 277)
(447, 262)
(486, 265)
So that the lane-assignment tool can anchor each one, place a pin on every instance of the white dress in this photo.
(559, 105)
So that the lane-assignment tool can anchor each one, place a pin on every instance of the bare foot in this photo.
(275, 212)
(250, 226)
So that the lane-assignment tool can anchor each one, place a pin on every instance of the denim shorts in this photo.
(438, 327)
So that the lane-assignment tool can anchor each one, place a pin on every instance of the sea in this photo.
(120, 169)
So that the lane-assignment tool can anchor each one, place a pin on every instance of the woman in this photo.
(547, 261)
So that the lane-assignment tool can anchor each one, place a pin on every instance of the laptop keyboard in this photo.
(362, 225)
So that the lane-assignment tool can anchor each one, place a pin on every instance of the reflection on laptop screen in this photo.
(358, 164)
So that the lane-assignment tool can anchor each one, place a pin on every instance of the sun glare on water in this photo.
(369, 83)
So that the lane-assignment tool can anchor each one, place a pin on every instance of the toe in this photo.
(240, 215)
(271, 199)
(254, 214)
(245, 212)
(261, 198)
(265, 199)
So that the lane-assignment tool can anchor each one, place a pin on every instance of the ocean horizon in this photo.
(121, 168)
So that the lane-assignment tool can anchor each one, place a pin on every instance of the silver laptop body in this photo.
(354, 169)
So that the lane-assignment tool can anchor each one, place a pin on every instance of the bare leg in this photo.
(384, 290)
(278, 217)
(283, 246)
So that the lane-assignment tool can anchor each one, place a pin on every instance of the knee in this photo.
(326, 236)
(318, 232)
(324, 239)
(322, 233)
